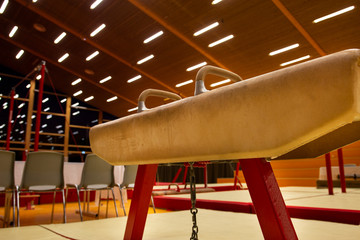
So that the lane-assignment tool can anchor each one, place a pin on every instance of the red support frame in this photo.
(341, 170)
(145, 178)
(38, 110)
(329, 174)
(9, 128)
(268, 202)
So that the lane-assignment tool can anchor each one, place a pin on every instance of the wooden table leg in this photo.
(269, 204)
(145, 178)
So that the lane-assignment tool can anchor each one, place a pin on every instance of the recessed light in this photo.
(91, 56)
(95, 4)
(284, 49)
(227, 38)
(334, 14)
(19, 54)
(134, 79)
(149, 39)
(60, 37)
(220, 83)
(196, 66)
(66, 55)
(105, 79)
(145, 59)
(184, 83)
(205, 29)
(76, 81)
(295, 60)
(13, 31)
(112, 99)
(97, 30)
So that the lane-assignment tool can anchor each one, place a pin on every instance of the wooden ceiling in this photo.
(258, 26)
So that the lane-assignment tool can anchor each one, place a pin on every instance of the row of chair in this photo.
(44, 172)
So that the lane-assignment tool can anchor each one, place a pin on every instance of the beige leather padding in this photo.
(301, 111)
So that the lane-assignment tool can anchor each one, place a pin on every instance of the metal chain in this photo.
(193, 210)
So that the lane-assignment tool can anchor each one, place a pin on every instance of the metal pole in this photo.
(341, 170)
(328, 173)
(12, 94)
(38, 110)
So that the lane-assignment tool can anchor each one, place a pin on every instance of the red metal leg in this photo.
(177, 175)
(341, 170)
(185, 173)
(205, 176)
(38, 110)
(11, 110)
(145, 179)
(328, 174)
(268, 202)
(236, 177)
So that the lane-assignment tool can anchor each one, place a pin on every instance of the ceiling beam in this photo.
(57, 22)
(176, 33)
(299, 27)
(55, 63)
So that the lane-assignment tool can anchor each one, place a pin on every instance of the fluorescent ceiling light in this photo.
(3, 6)
(76, 132)
(28, 86)
(133, 109)
(205, 29)
(16, 96)
(19, 54)
(60, 131)
(95, 4)
(48, 116)
(221, 40)
(13, 31)
(295, 60)
(76, 81)
(145, 59)
(58, 126)
(33, 116)
(38, 77)
(96, 31)
(134, 79)
(196, 66)
(220, 83)
(60, 37)
(184, 83)
(34, 1)
(105, 79)
(112, 99)
(78, 93)
(75, 104)
(215, 2)
(158, 34)
(331, 15)
(63, 57)
(89, 98)
(284, 49)
(63, 100)
(21, 105)
(44, 126)
(45, 100)
(76, 113)
(46, 109)
(91, 56)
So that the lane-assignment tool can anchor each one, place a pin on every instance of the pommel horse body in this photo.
(302, 111)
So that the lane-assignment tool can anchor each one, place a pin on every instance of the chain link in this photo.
(193, 210)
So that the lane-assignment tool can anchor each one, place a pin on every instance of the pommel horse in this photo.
(302, 111)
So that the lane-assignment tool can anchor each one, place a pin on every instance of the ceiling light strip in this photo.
(205, 29)
(112, 99)
(227, 38)
(97, 30)
(89, 98)
(95, 4)
(334, 14)
(76, 81)
(134, 79)
(65, 56)
(91, 56)
(156, 35)
(105, 79)
(196, 66)
(220, 83)
(284, 49)
(184, 83)
(60, 37)
(13, 31)
(295, 60)
(215, 2)
(145, 59)
(3, 6)
(78, 93)
(19, 54)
